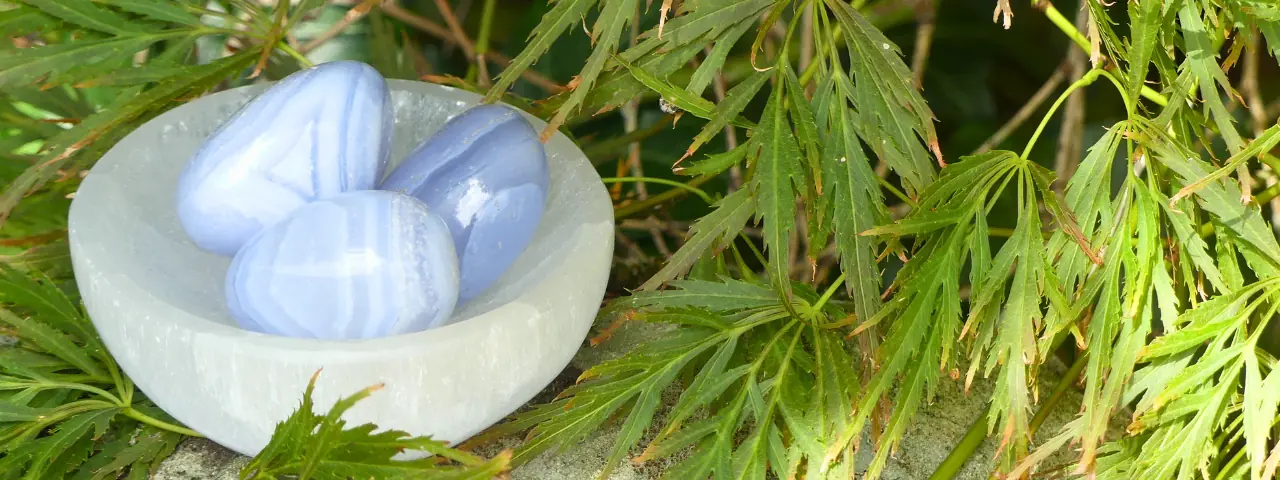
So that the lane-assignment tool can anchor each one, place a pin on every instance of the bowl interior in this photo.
(134, 221)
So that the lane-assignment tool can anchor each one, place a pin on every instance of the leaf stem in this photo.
(897, 193)
(1084, 81)
(1059, 390)
(629, 209)
(968, 444)
(1124, 96)
(695, 190)
(144, 418)
(62, 385)
(830, 291)
(302, 59)
(1066, 25)
(755, 251)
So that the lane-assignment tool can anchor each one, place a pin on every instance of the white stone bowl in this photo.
(157, 299)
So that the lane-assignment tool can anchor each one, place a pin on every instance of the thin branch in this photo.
(631, 247)
(394, 10)
(460, 36)
(672, 226)
(630, 120)
(926, 17)
(629, 209)
(1251, 90)
(354, 15)
(1023, 113)
(1070, 136)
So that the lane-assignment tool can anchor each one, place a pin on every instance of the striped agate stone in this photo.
(319, 132)
(485, 173)
(358, 265)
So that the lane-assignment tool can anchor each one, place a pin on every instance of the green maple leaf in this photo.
(308, 445)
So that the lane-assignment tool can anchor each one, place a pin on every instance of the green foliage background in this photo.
(829, 227)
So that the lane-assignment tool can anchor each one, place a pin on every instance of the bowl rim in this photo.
(476, 323)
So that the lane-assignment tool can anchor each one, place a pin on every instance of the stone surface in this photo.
(485, 172)
(200, 459)
(363, 264)
(158, 300)
(319, 132)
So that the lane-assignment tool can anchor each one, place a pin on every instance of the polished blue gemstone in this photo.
(319, 132)
(485, 173)
(358, 265)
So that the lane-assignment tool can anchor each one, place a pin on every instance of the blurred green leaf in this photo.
(172, 12)
(86, 14)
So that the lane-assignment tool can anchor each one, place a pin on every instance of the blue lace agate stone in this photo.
(319, 132)
(485, 173)
(358, 265)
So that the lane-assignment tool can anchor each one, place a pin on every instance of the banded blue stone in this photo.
(358, 265)
(317, 133)
(485, 173)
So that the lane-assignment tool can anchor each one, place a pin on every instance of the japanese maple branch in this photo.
(352, 16)
(1069, 28)
(394, 10)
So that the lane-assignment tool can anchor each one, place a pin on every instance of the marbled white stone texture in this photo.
(317, 133)
(485, 173)
(362, 264)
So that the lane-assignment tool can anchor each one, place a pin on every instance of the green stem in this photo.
(1268, 194)
(144, 418)
(302, 59)
(1084, 81)
(960, 454)
(754, 251)
(897, 193)
(1128, 103)
(1067, 26)
(126, 389)
(1059, 391)
(807, 75)
(1271, 161)
(698, 191)
(830, 291)
(655, 200)
(64, 385)
(486, 24)
(1000, 232)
